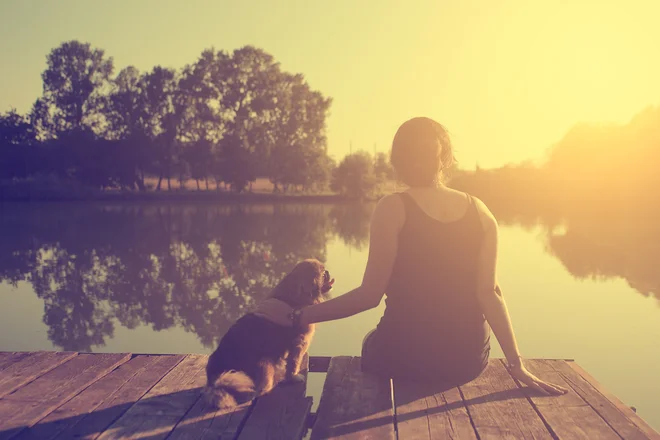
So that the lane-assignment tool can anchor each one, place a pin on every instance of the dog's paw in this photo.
(296, 378)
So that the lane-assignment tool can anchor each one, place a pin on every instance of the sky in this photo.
(507, 78)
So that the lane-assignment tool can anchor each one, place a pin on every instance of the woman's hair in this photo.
(421, 149)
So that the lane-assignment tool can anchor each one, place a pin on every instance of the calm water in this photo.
(157, 278)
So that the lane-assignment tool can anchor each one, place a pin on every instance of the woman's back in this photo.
(433, 325)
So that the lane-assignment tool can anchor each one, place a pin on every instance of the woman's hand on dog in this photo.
(520, 373)
(276, 311)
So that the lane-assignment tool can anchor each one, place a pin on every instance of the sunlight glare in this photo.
(589, 62)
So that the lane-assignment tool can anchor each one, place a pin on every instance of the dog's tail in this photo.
(229, 389)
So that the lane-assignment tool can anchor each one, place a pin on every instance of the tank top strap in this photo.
(408, 204)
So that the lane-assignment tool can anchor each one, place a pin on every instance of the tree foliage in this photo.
(355, 176)
(231, 117)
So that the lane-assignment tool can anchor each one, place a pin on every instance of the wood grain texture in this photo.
(156, 414)
(625, 409)
(273, 420)
(353, 405)
(281, 414)
(568, 415)
(206, 422)
(319, 364)
(88, 396)
(94, 423)
(429, 412)
(34, 401)
(498, 407)
(23, 368)
(619, 422)
(62, 422)
(10, 357)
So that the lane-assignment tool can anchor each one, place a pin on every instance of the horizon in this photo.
(609, 44)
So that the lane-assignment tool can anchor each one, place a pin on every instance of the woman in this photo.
(433, 251)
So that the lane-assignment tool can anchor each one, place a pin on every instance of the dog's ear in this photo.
(309, 287)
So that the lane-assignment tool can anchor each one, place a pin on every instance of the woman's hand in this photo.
(520, 373)
(276, 311)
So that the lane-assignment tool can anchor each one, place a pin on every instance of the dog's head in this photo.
(308, 283)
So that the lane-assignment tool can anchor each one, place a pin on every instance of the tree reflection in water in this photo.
(596, 242)
(199, 267)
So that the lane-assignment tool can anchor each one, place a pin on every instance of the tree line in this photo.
(594, 169)
(227, 117)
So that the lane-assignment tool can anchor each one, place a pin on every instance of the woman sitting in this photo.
(433, 253)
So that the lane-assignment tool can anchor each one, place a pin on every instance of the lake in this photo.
(171, 278)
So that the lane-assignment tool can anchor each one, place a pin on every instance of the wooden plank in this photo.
(60, 422)
(93, 425)
(568, 415)
(272, 421)
(353, 405)
(499, 408)
(424, 411)
(319, 364)
(205, 422)
(30, 403)
(9, 357)
(157, 413)
(281, 414)
(28, 366)
(614, 417)
(625, 409)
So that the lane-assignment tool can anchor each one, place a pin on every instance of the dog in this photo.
(256, 354)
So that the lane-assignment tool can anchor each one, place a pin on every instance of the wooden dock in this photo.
(62, 395)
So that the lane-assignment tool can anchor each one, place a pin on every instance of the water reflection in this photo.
(200, 267)
(196, 267)
(596, 242)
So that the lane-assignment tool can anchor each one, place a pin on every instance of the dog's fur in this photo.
(257, 354)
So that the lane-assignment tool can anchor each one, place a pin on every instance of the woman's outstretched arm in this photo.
(386, 222)
(488, 292)
(495, 310)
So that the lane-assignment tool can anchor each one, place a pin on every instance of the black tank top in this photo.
(433, 324)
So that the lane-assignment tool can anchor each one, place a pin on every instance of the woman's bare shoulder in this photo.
(390, 208)
(391, 201)
(488, 220)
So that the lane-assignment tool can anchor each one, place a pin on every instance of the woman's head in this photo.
(420, 151)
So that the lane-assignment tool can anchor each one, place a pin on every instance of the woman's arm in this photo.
(386, 222)
(495, 310)
(489, 295)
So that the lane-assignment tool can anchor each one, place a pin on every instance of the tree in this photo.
(16, 140)
(297, 128)
(384, 171)
(15, 129)
(73, 83)
(247, 90)
(126, 111)
(129, 122)
(354, 176)
(383, 168)
(233, 116)
(204, 83)
(159, 90)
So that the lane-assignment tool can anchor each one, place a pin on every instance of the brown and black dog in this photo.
(257, 354)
